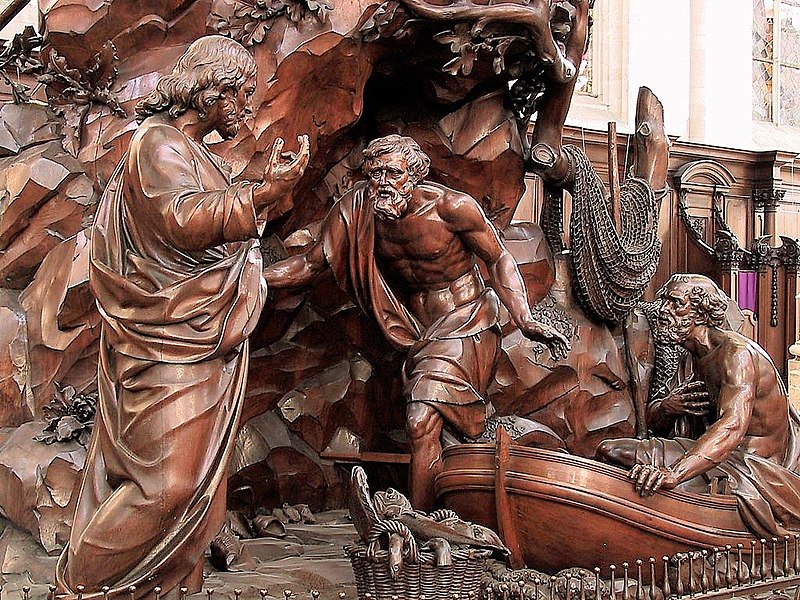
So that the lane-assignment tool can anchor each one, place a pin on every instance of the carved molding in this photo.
(695, 228)
(727, 250)
(789, 253)
(767, 199)
(701, 175)
(708, 178)
(761, 254)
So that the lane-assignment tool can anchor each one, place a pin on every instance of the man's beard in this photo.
(230, 129)
(673, 330)
(232, 122)
(389, 203)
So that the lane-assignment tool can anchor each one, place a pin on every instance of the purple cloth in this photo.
(747, 295)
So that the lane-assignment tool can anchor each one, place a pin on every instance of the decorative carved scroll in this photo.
(707, 178)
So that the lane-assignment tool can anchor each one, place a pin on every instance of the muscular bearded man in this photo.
(750, 437)
(407, 250)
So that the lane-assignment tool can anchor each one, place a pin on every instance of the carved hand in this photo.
(283, 170)
(687, 399)
(555, 341)
(649, 478)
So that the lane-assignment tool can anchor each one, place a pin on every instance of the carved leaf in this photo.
(388, 15)
(78, 95)
(107, 97)
(255, 32)
(500, 49)
(243, 10)
(458, 38)
(101, 71)
(74, 115)
(464, 62)
(59, 64)
(68, 427)
(295, 11)
(453, 66)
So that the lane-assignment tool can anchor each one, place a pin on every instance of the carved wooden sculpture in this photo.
(746, 430)
(176, 270)
(348, 74)
(407, 250)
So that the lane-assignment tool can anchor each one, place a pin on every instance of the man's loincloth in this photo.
(448, 364)
(452, 376)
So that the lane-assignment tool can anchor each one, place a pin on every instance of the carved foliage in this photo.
(767, 199)
(467, 40)
(21, 56)
(69, 416)
(73, 89)
(248, 21)
(727, 250)
(789, 253)
(388, 20)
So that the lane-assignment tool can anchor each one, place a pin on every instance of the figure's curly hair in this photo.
(706, 298)
(418, 162)
(209, 66)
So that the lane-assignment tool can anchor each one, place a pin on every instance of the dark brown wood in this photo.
(571, 511)
(613, 174)
(389, 458)
(11, 10)
(349, 74)
(506, 526)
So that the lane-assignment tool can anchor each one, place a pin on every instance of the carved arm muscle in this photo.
(736, 398)
(467, 218)
(297, 271)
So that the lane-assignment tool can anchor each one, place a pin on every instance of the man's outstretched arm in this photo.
(463, 214)
(297, 271)
(301, 270)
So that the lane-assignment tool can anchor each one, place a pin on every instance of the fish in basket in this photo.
(412, 555)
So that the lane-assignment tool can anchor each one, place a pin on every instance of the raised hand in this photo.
(688, 399)
(287, 167)
(282, 171)
(549, 336)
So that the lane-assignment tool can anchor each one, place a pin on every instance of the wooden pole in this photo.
(505, 521)
(613, 175)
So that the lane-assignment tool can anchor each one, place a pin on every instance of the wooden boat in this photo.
(563, 511)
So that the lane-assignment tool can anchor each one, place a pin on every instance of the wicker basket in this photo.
(419, 578)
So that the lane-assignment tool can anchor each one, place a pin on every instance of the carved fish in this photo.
(362, 510)
(441, 551)
(395, 555)
(455, 531)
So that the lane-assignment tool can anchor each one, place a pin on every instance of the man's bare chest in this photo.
(415, 238)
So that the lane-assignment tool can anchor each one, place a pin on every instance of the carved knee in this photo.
(422, 422)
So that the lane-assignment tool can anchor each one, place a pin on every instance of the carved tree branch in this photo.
(534, 16)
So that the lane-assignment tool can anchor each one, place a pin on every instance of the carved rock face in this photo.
(38, 484)
(578, 397)
(14, 365)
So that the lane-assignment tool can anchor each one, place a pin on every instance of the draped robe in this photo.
(177, 274)
(449, 363)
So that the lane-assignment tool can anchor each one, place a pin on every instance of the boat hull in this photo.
(569, 511)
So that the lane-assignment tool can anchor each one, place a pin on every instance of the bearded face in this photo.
(390, 185)
(231, 109)
(676, 317)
